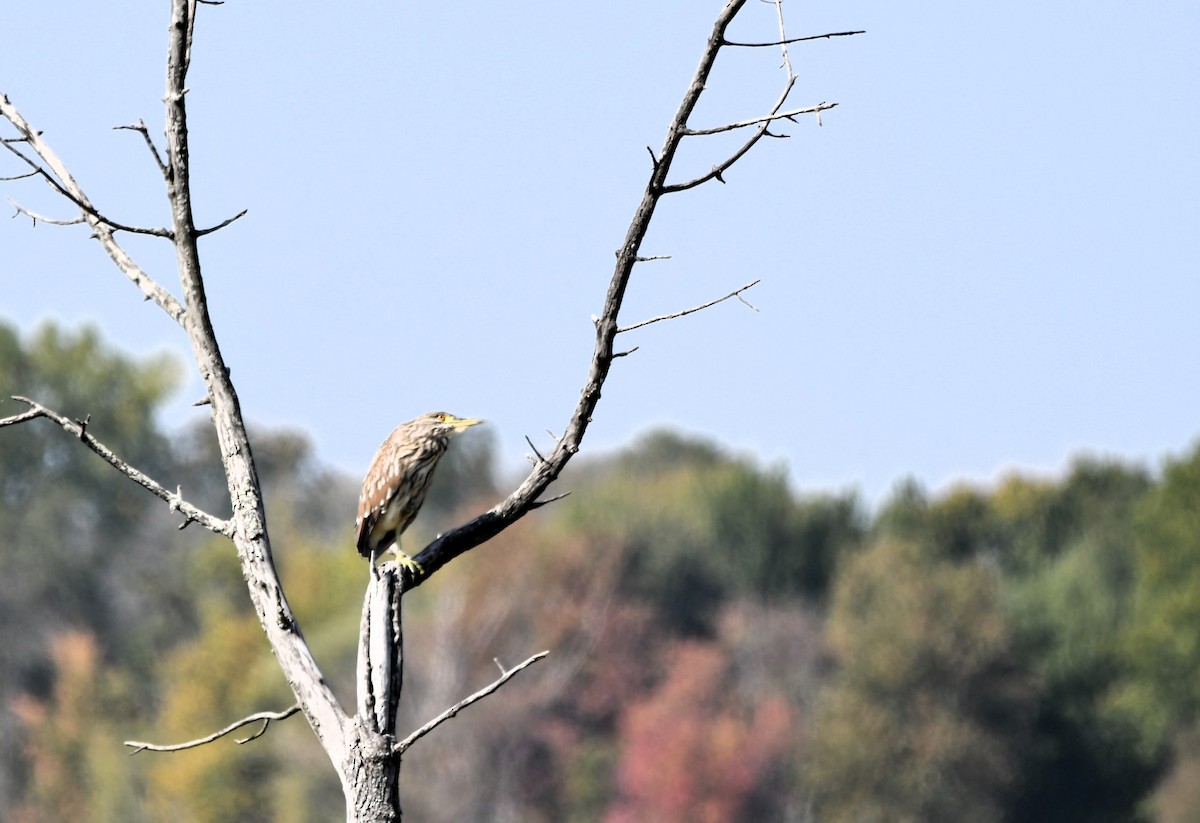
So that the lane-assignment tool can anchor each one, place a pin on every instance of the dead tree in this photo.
(364, 746)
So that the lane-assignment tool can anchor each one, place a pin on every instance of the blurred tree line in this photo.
(722, 648)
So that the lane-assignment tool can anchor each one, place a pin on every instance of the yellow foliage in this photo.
(228, 672)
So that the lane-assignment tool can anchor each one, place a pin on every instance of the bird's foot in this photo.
(407, 562)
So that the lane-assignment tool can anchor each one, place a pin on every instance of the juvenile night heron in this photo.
(399, 477)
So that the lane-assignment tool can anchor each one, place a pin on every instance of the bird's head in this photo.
(444, 424)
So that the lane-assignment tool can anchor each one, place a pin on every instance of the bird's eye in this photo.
(441, 416)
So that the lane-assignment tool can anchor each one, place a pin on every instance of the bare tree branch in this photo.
(404, 744)
(261, 717)
(759, 133)
(463, 538)
(719, 169)
(763, 122)
(79, 429)
(735, 293)
(102, 231)
(32, 414)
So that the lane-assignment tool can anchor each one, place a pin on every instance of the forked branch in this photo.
(56, 173)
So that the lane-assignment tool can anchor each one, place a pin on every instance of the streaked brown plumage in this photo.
(398, 480)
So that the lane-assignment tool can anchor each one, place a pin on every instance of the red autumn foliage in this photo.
(695, 749)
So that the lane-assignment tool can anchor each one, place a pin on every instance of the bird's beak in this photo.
(461, 423)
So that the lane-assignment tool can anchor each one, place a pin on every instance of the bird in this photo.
(398, 480)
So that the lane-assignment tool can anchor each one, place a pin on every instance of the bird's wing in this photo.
(368, 515)
(379, 488)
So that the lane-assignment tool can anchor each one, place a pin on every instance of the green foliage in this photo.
(927, 717)
(1068, 620)
(41, 468)
(79, 548)
(1022, 524)
(1161, 645)
(701, 527)
(1038, 520)
(1064, 550)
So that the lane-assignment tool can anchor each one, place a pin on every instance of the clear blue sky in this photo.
(988, 257)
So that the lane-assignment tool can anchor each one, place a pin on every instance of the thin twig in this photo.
(783, 44)
(222, 224)
(400, 747)
(535, 451)
(79, 429)
(18, 177)
(36, 218)
(736, 293)
(264, 717)
(766, 118)
(539, 503)
(140, 126)
(793, 40)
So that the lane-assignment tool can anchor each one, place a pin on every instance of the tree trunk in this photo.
(372, 767)
(373, 771)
